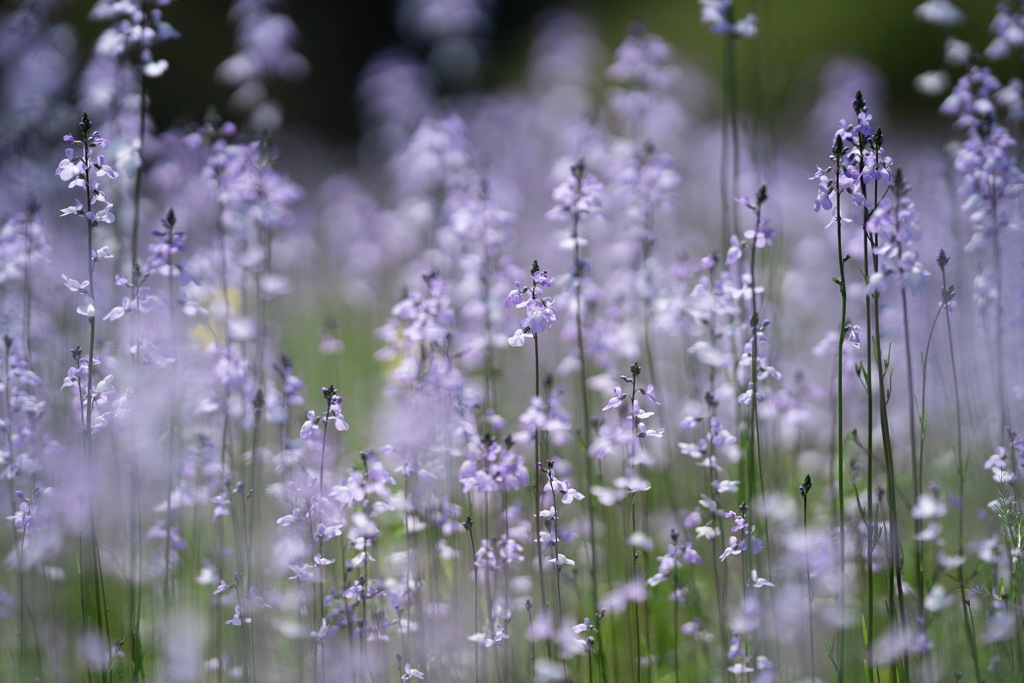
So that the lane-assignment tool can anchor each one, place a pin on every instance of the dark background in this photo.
(339, 36)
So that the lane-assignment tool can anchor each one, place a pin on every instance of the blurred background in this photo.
(469, 45)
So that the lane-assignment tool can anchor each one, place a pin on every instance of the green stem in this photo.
(840, 460)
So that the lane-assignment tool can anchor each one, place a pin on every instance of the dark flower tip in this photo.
(85, 124)
(943, 259)
(170, 219)
(762, 195)
(535, 268)
(859, 105)
(806, 486)
(8, 341)
(579, 169)
(837, 148)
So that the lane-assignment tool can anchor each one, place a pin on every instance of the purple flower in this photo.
(717, 14)
(238, 619)
(577, 197)
(515, 297)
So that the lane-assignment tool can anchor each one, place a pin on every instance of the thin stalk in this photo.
(18, 548)
(87, 426)
(579, 268)
(947, 296)
(634, 372)
(468, 525)
(536, 476)
(26, 285)
(135, 485)
(754, 452)
(840, 460)
(730, 138)
(172, 431)
(895, 559)
(916, 458)
(804, 490)
(137, 198)
(135, 513)
(1004, 409)
(868, 375)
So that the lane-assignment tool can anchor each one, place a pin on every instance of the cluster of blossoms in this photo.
(987, 159)
(417, 337)
(139, 27)
(894, 231)
(264, 42)
(644, 74)
(1007, 29)
(446, 548)
(540, 312)
(84, 166)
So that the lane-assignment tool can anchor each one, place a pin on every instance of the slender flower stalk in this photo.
(805, 489)
(540, 315)
(81, 168)
(948, 302)
(839, 150)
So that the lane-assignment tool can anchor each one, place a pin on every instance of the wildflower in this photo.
(310, 426)
(616, 400)
(939, 13)
(562, 561)
(411, 673)
(928, 507)
(717, 14)
(238, 619)
(540, 311)
(584, 626)
(577, 197)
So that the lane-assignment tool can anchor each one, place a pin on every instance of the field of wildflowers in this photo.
(591, 377)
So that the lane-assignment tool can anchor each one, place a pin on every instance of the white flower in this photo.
(309, 426)
(759, 582)
(238, 620)
(937, 599)
(562, 561)
(518, 338)
(411, 673)
(928, 507)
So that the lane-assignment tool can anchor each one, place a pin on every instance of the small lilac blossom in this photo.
(943, 13)
(616, 400)
(1007, 29)
(238, 619)
(410, 673)
(717, 14)
(137, 29)
(562, 561)
(577, 197)
(310, 426)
